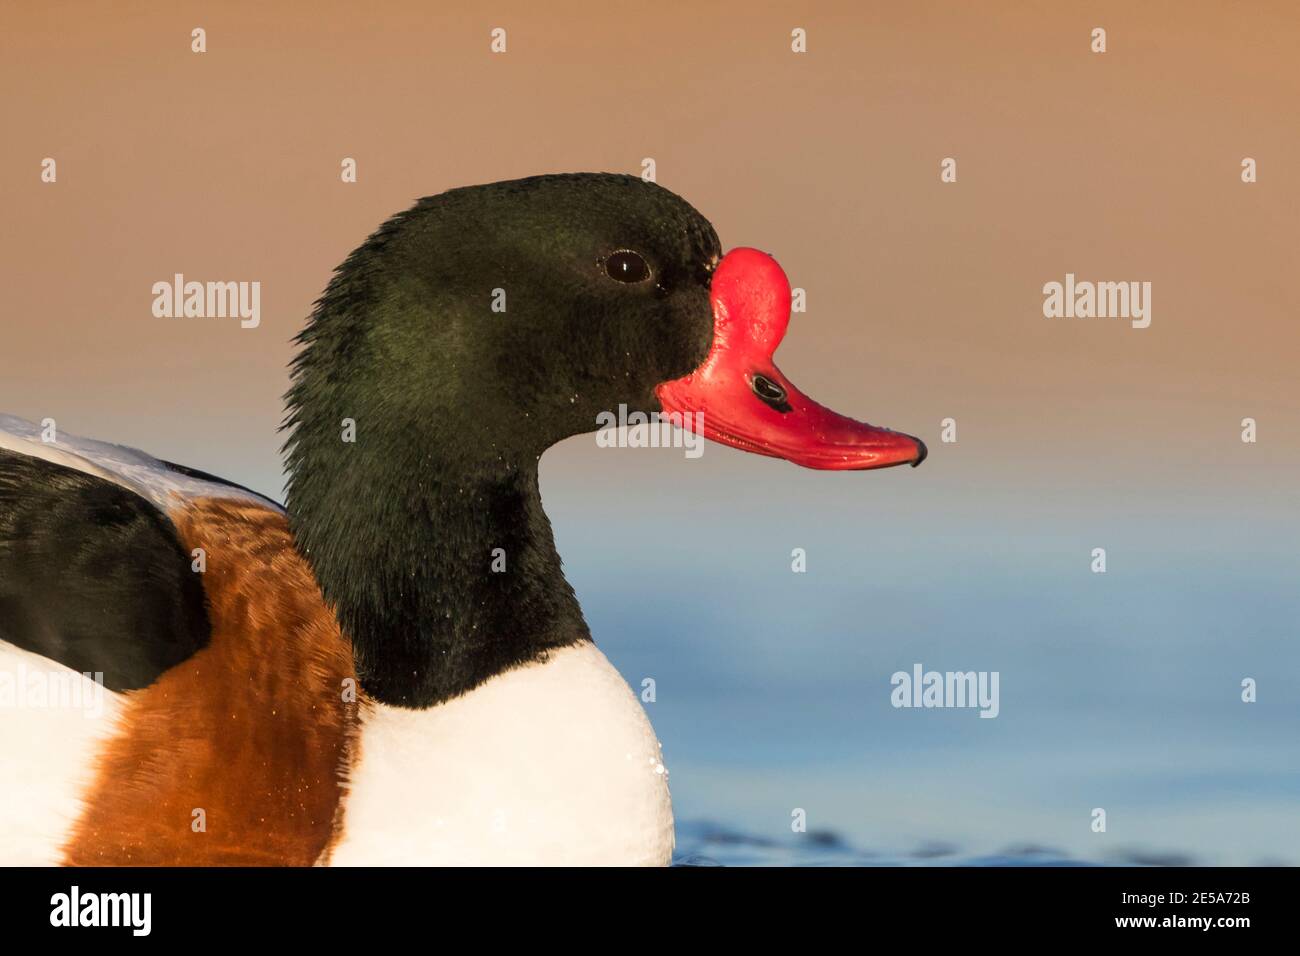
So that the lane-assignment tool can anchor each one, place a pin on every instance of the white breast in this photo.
(553, 763)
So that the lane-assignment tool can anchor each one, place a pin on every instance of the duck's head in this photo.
(493, 321)
(467, 336)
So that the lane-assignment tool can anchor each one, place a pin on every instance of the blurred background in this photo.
(1119, 690)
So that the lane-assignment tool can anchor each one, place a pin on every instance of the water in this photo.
(701, 843)
(1119, 692)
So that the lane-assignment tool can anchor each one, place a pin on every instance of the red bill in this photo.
(746, 401)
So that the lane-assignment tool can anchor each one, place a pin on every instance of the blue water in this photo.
(1119, 691)
(701, 843)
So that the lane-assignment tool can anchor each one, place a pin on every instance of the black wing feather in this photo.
(94, 576)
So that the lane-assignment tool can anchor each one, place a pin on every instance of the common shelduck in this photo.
(390, 669)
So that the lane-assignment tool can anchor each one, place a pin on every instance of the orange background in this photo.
(924, 299)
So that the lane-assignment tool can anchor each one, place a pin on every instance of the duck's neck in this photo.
(442, 576)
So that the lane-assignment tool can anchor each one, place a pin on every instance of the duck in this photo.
(390, 668)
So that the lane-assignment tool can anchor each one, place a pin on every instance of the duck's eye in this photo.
(626, 266)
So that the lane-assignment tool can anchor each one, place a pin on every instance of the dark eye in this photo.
(626, 266)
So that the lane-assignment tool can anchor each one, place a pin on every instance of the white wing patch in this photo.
(53, 723)
(134, 470)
